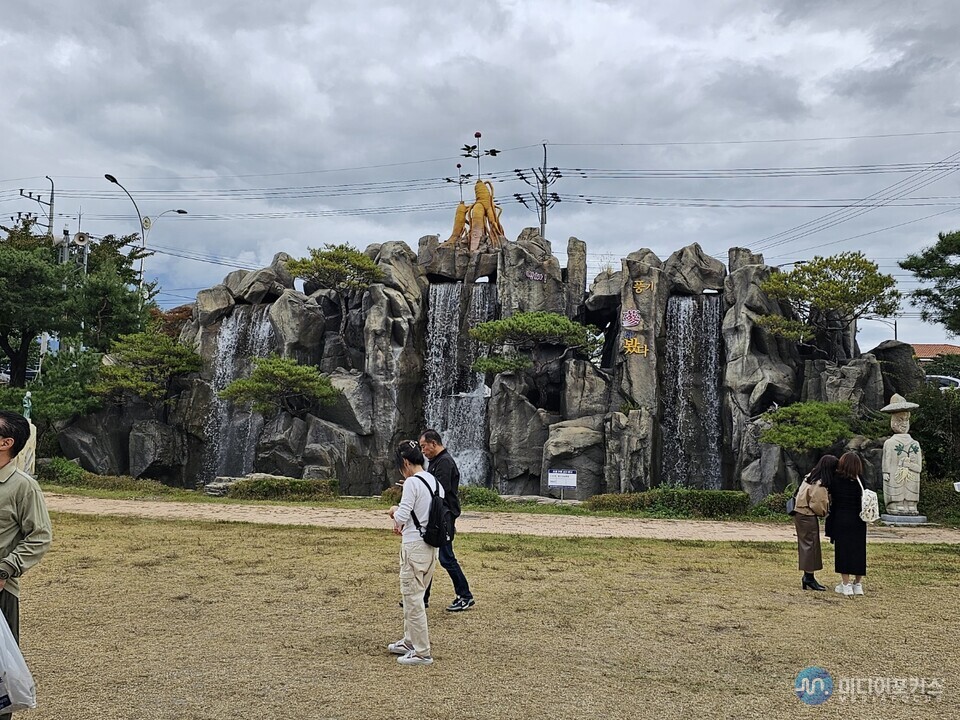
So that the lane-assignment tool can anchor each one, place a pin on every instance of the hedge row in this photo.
(63, 472)
(284, 489)
(677, 502)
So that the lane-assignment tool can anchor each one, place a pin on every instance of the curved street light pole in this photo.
(143, 232)
(885, 322)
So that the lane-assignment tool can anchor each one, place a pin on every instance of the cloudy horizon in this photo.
(791, 128)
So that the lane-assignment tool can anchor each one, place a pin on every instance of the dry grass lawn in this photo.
(139, 619)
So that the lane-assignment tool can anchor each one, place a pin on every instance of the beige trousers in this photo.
(417, 562)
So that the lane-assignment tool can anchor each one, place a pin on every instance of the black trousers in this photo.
(10, 607)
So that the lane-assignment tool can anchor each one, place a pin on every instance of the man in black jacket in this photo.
(445, 470)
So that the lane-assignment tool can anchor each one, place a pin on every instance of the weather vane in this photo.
(473, 151)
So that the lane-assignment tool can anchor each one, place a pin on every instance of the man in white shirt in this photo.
(417, 558)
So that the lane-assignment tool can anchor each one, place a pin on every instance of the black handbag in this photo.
(792, 506)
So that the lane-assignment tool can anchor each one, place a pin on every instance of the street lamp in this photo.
(145, 224)
(885, 322)
(147, 227)
(143, 230)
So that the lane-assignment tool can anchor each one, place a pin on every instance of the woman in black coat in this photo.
(844, 526)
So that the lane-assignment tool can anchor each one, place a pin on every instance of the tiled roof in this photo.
(922, 350)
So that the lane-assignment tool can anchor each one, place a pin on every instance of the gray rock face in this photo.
(740, 257)
(858, 382)
(358, 470)
(760, 370)
(585, 390)
(529, 277)
(643, 293)
(234, 281)
(394, 325)
(280, 449)
(901, 373)
(279, 267)
(260, 286)
(691, 271)
(765, 468)
(212, 304)
(298, 325)
(629, 451)
(100, 441)
(576, 445)
(518, 431)
(156, 451)
(354, 407)
(576, 278)
(454, 262)
(605, 291)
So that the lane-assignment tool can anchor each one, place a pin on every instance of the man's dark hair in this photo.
(431, 436)
(16, 426)
(408, 450)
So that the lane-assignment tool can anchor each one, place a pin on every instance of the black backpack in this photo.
(438, 530)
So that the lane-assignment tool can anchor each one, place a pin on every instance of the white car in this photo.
(944, 382)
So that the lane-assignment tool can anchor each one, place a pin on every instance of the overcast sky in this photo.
(281, 126)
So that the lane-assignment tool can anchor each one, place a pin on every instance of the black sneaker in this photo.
(425, 605)
(461, 604)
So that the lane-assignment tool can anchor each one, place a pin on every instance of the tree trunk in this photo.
(19, 357)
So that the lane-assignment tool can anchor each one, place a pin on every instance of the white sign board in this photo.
(562, 478)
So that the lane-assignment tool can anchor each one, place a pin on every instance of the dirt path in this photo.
(480, 522)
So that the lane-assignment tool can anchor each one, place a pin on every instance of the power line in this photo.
(755, 142)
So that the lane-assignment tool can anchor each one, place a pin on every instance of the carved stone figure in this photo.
(902, 461)
(27, 405)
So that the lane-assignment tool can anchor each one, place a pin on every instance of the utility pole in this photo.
(543, 178)
(48, 205)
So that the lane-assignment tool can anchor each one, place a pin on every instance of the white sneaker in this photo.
(400, 647)
(858, 588)
(844, 589)
(411, 658)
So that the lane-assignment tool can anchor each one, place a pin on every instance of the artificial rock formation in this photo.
(611, 418)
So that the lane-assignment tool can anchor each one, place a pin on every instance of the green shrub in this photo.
(392, 495)
(284, 489)
(939, 501)
(808, 425)
(676, 502)
(479, 496)
(773, 505)
(60, 471)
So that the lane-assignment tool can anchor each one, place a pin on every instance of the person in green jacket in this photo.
(25, 531)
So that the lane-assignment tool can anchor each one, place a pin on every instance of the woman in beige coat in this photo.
(813, 503)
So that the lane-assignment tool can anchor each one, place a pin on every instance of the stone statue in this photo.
(27, 405)
(902, 461)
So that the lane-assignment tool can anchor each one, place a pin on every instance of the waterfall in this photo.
(456, 397)
(232, 431)
(691, 430)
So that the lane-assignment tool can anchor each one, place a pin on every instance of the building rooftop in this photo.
(927, 351)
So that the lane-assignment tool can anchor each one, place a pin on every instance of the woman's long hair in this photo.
(824, 470)
(850, 466)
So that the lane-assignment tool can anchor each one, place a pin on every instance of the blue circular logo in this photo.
(813, 685)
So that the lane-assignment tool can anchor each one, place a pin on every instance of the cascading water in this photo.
(691, 430)
(456, 397)
(232, 431)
